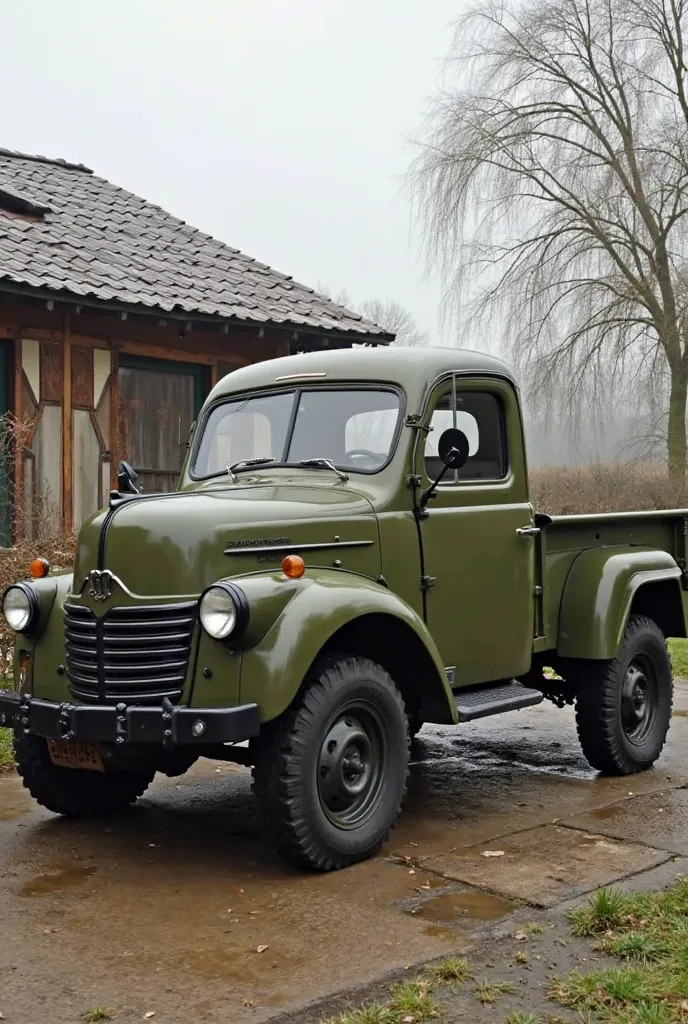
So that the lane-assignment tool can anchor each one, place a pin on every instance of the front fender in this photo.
(273, 671)
(598, 594)
(45, 645)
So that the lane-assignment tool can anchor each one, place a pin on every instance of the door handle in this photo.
(528, 531)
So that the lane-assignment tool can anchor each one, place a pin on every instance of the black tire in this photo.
(71, 791)
(330, 774)
(623, 706)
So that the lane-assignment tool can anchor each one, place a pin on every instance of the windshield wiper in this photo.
(244, 464)
(324, 464)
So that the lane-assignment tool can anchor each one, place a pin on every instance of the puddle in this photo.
(56, 881)
(457, 906)
(606, 813)
(436, 931)
(15, 801)
(246, 970)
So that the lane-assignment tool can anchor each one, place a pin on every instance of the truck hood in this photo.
(178, 544)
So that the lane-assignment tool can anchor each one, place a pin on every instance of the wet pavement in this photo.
(165, 908)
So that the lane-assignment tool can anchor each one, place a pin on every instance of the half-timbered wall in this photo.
(89, 389)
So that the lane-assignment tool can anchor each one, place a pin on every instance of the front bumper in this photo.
(167, 724)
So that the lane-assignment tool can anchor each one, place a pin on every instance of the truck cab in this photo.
(351, 552)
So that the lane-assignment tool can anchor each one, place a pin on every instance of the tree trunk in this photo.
(676, 439)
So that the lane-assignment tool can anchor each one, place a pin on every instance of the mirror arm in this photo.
(427, 495)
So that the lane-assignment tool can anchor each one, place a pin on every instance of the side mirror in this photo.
(453, 448)
(126, 479)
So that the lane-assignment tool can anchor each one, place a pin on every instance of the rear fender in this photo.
(316, 619)
(599, 594)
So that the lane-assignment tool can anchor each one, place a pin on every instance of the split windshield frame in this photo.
(297, 392)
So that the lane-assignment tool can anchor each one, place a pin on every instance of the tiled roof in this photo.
(93, 240)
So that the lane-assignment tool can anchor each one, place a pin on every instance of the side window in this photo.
(480, 415)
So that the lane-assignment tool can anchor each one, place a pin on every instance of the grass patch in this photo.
(678, 649)
(523, 1017)
(488, 992)
(97, 1013)
(6, 752)
(450, 971)
(410, 1001)
(649, 933)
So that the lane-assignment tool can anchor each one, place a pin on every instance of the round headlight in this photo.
(218, 612)
(20, 608)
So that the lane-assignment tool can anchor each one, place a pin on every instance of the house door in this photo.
(158, 402)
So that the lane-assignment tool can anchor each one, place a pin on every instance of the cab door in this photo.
(478, 567)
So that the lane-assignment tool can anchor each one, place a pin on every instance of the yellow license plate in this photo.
(75, 755)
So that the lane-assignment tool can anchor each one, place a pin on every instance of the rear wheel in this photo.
(72, 791)
(623, 707)
(330, 774)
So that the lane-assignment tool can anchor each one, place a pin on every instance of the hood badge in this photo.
(100, 584)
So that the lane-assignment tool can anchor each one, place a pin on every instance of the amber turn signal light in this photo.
(293, 566)
(39, 568)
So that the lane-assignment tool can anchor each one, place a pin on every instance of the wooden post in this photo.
(18, 507)
(67, 503)
(114, 414)
(213, 375)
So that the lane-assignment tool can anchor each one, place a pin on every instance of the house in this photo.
(116, 319)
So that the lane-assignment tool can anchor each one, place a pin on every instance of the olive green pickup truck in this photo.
(352, 552)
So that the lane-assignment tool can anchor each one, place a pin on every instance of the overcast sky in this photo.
(279, 126)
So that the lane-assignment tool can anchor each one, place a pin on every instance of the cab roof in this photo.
(412, 368)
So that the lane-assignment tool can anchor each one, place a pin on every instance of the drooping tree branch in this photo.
(552, 187)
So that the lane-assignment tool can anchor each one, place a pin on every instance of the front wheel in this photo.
(623, 706)
(330, 774)
(74, 792)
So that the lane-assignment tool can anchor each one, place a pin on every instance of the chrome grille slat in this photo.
(136, 654)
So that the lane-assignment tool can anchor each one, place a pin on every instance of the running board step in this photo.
(493, 700)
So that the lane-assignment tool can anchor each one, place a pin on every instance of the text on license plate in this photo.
(75, 755)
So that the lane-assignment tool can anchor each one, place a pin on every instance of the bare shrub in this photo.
(610, 487)
(14, 566)
(34, 526)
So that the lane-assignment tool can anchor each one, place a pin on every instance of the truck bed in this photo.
(564, 538)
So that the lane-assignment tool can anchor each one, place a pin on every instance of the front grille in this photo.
(137, 655)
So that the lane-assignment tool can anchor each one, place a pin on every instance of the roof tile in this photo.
(115, 246)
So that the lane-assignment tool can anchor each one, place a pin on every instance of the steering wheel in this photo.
(365, 453)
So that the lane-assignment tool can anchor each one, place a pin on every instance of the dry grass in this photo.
(611, 487)
(6, 752)
(14, 566)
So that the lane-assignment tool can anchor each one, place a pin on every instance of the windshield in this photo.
(354, 428)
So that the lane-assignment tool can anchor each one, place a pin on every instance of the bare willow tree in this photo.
(390, 314)
(552, 186)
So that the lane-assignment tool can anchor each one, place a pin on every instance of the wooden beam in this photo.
(135, 348)
(213, 375)
(67, 506)
(114, 416)
(18, 513)
(86, 341)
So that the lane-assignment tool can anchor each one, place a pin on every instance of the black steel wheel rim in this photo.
(639, 693)
(351, 765)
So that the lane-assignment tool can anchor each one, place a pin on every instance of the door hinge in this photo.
(414, 480)
(414, 420)
(537, 591)
(427, 581)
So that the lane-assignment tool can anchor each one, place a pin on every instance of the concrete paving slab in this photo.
(649, 881)
(657, 819)
(544, 866)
